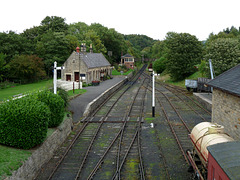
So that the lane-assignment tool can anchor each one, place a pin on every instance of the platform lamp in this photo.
(153, 94)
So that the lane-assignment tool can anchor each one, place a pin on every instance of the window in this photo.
(213, 173)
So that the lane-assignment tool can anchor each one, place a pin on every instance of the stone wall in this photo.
(44, 153)
(226, 112)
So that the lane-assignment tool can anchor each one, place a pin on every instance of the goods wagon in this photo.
(207, 160)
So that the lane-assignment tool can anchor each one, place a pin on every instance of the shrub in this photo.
(56, 106)
(63, 94)
(23, 122)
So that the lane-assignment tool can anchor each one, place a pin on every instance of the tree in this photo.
(27, 68)
(91, 37)
(139, 41)
(54, 24)
(159, 49)
(183, 52)
(159, 65)
(13, 44)
(224, 53)
(54, 46)
(112, 40)
(2, 65)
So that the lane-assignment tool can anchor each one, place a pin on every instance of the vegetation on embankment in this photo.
(167, 79)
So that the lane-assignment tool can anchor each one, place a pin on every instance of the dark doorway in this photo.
(76, 76)
(68, 77)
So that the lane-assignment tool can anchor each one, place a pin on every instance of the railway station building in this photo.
(226, 101)
(86, 66)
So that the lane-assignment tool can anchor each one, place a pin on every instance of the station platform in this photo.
(78, 105)
(205, 100)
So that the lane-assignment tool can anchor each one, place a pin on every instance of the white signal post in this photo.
(55, 77)
(153, 94)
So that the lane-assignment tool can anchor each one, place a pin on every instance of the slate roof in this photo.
(93, 60)
(127, 56)
(228, 81)
(227, 156)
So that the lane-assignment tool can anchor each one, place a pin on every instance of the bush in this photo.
(63, 94)
(56, 106)
(23, 122)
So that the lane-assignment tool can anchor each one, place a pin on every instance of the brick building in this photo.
(128, 61)
(226, 101)
(86, 66)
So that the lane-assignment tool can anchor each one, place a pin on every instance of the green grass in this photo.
(11, 159)
(166, 78)
(115, 72)
(22, 89)
(76, 92)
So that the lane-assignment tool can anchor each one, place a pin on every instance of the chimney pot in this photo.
(77, 49)
(91, 49)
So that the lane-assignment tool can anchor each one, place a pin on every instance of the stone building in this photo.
(226, 101)
(86, 66)
(128, 61)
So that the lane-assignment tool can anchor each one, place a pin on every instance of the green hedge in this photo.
(63, 94)
(56, 106)
(23, 122)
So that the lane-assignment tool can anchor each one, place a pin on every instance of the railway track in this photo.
(84, 151)
(175, 114)
(120, 140)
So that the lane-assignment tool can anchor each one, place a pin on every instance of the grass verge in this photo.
(167, 79)
(76, 92)
(115, 72)
(22, 89)
(12, 158)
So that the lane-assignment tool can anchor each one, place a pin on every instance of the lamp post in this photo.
(79, 65)
(153, 94)
(55, 78)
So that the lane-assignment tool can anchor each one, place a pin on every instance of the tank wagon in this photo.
(215, 154)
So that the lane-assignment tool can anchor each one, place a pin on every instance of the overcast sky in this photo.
(153, 18)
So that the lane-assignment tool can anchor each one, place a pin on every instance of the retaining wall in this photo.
(44, 153)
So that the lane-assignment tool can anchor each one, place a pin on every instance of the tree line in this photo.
(182, 54)
(29, 56)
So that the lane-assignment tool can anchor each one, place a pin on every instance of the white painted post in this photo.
(211, 71)
(80, 84)
(55, 78)
(153, 94)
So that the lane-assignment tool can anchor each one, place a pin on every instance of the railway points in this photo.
(121, 140)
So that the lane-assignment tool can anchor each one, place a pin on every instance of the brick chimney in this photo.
(77, 49)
